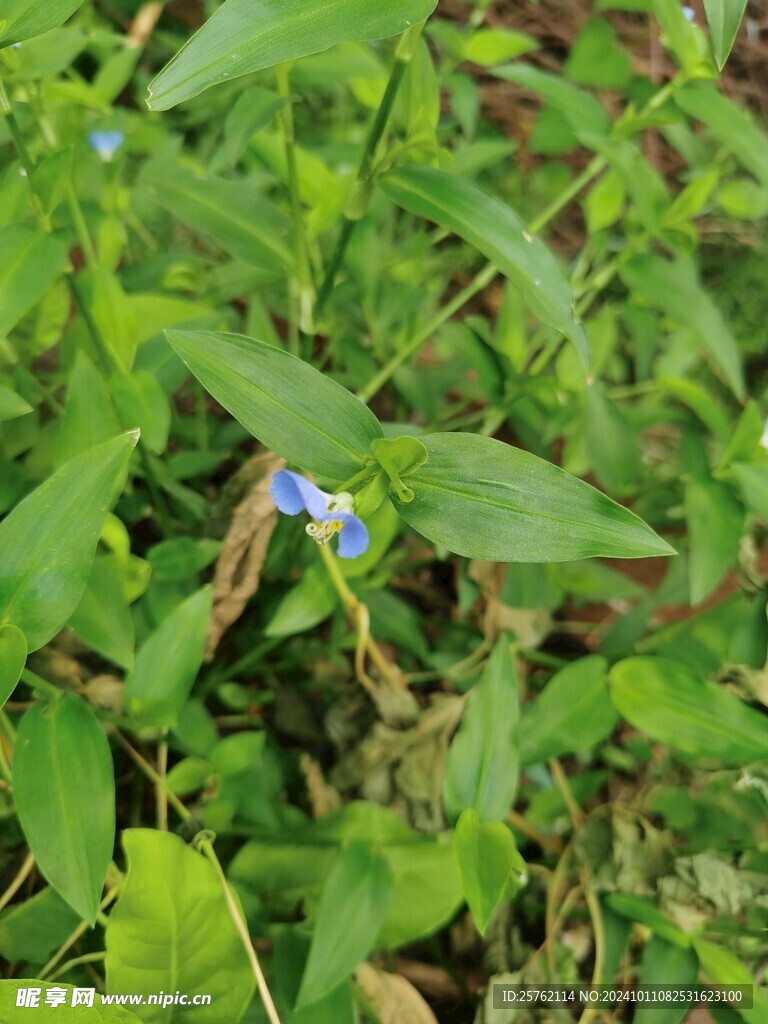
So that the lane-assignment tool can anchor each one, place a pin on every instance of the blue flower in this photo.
(689, 13)
(106, 144)
(332, 512)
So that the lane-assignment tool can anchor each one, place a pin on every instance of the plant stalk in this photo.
(362, 190)
(302, 291)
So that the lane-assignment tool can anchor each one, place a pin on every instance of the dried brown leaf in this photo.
(238, 570)
(393, 998)
(323, 798)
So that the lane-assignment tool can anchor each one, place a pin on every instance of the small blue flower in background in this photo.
(106, 144)
(332, 512)
(689, 13)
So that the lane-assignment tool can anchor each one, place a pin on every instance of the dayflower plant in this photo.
(332, 513)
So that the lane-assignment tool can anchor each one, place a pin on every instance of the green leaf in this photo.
(724, 968)
(665, 963)
(584, 114)
(112, 313)
(64, 789)
(168, 663)
(484, 499)
(488, 858)
(732, 126)
(723, 18)
(89, 415)
(683, 39)
(32, 930)
(637, 908)
(611, 443)
(13, 658)
(59, 1014)
(496, 231)
(51, 177)
(142, 403)
(23, 19)
(103, 618)
(249, 35)
(426, 889)
(426, 884)
(490, 46)
(667, 701)
(484, 756)
(715, 524)
(673, 287)
(572, 713)
(305, 605)
(12, 405)
(254, 109)
(399, 456)
(605, 201)
(289, 406)
(180, 559)
(753, 484)
(48, 542)
(352, 908)
(174, 895)
(234, 214)
(29, 264)
(596, 59)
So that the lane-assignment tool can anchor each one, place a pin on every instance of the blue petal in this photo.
(292, 494)
(353, 539)
(106, 144)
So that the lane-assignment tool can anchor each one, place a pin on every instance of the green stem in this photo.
(235, 913)
(79, 931)
(363, 187)
(593, 168)
(76, 961)
(154, 777)
(38, 683)
(206, 846)
(18, 880)
(303, 295)
(478, 282)
(81, 229)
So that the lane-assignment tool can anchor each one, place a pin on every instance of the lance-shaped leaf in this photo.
(572, 713)
(172, 894)
(167, 664)
(490, 864)
(249, 35)
(48, 541)
(496, 231)
(673, 287)
(288, 405)
(667, 701)
(29, 264)
(731, 125)
(64, 789)
(235, 214)
(483, 761)
(13, 657)
(584, 114)
(484, 499)
(724, 18)
(352, 908)
(23, 19)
